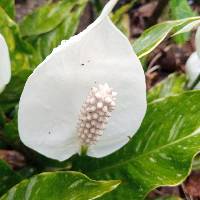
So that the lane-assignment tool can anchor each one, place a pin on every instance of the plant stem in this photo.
(84, 150)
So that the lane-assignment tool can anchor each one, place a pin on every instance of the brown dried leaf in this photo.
(13, 158)
(192, 185)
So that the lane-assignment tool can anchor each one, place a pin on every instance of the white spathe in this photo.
(5, 67)
(197, 41)
(50, 104)
(193, 69)
(193, 62)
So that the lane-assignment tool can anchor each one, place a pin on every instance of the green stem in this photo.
(84, 150)
(197, 80)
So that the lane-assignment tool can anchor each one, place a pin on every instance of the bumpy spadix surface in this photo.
(5, 68)
(51, 103)
(193, 63)
(95, 113)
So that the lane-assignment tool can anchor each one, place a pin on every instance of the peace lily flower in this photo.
(88, 96)
(193, 63)
(5, 67)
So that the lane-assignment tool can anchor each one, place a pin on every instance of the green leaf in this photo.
(20, 53)
(173, 84)
(45, 43)
(187, 28)
(47, 17)
(19, 50)
(180, 10)
(121, 11)
(121, 19)
(8, 177)
(159, 154)
(9, 7)
(97, 5)
(153, 36)
(8, 109)
(11, 95)
(10, 131)
(60, 185)
(9, 29)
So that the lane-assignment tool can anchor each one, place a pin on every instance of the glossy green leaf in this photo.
(8, 101)
(20, 53)
(60, 185)
(10, 131)
(121, 11)
(19, 50)
(8, 177)
(9, 29)
(45, 43)
(180, 10)
(173, 84)
(153, 36)
(9, 7)
(187, 28)
(121, 19)
(11, 95)
(159, 154)
(47, 17)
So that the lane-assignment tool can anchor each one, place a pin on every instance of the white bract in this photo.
(193, 63)
(88, 96)
(5, 67)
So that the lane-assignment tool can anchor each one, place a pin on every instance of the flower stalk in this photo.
(84, 150)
